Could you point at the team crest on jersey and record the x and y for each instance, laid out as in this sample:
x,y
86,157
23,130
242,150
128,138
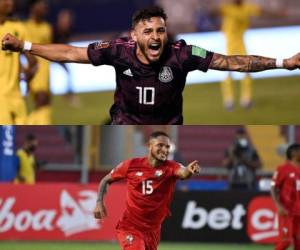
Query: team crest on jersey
x,y
129,239
102,45
166,74
158,173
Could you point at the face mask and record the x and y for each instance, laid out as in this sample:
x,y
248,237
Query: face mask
x,y
243,142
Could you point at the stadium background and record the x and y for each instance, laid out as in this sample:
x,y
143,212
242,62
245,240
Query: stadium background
x,y
57,210
93,86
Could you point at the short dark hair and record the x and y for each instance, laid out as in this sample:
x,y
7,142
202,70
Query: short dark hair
x,y
291,149
30,137
147,13
156,134
33,2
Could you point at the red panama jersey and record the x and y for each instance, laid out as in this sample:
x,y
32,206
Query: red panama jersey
x,y
287,180
149,191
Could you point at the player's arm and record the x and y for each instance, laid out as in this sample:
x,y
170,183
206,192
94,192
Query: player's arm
x,y
100,210
252,63
187,172
52,52
275,196
31,68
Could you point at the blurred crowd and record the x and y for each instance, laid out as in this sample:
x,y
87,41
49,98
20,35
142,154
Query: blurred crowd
x,y
184,15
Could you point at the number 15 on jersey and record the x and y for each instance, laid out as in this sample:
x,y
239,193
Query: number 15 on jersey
x,y
147,187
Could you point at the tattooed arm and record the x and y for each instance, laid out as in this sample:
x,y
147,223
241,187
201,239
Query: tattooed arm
x,y
100,210
251,63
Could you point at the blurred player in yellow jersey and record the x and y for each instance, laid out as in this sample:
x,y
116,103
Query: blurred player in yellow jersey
x,y
27,163
40,31
12,104
235,22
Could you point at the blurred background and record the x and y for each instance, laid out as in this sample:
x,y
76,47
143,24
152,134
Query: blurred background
x,y
274,32
228,202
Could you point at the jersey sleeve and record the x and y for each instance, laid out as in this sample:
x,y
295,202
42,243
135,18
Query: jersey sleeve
x,y
278,178
175,168
101,53
120,171
195,58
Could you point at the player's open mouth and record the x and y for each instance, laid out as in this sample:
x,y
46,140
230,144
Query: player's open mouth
x,y
154,49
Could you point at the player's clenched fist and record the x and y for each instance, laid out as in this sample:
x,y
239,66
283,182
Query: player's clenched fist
x,y
10,42
100,211
293,62
194,167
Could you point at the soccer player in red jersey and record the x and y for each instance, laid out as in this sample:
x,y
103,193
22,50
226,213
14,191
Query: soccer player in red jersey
x,y
150,185
285,192
150,71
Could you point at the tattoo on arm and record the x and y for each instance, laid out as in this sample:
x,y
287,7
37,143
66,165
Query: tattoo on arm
x,y
102,189
242,63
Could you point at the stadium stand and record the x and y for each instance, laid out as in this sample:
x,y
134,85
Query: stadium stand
x,y
52,146
205,143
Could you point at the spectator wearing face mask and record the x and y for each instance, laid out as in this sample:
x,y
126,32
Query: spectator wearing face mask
x,y
242,161
27,162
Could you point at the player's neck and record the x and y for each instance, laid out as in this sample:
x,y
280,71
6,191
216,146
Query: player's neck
x,y
295,163
153,162
36,19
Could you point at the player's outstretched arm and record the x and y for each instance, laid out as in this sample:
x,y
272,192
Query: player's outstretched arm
x,y
252,63
51,52
187,172
100,210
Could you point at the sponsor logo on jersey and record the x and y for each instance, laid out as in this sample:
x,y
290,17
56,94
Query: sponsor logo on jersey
x,y
139,174
166,74
128,72
292,175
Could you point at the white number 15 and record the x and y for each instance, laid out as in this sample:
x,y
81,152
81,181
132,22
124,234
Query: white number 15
x,y
147,187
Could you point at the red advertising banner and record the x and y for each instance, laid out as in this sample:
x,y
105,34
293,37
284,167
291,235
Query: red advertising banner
x,y
57,212
262,226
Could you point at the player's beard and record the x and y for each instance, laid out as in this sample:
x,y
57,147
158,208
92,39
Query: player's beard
x,y
155,155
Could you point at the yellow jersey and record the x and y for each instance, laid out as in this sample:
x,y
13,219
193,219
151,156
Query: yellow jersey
x,y
27,166
10,61
236,18
40,33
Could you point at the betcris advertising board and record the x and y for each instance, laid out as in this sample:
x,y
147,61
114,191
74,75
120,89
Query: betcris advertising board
x,y
231,216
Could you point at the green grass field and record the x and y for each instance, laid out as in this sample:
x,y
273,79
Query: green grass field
x,y
107,246
277,101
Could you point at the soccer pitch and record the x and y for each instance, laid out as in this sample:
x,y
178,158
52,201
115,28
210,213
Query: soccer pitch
x,y
276,101
107,246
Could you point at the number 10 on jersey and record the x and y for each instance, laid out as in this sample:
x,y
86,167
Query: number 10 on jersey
x,y
146,95
147,187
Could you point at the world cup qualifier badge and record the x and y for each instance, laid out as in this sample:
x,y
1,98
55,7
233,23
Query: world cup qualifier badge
x,y
166,74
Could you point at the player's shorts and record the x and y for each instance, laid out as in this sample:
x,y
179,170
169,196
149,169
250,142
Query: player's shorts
x,y
12,111
132,239
289,227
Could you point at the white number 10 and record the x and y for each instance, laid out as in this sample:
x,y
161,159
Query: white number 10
x,y
147,187
146,95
